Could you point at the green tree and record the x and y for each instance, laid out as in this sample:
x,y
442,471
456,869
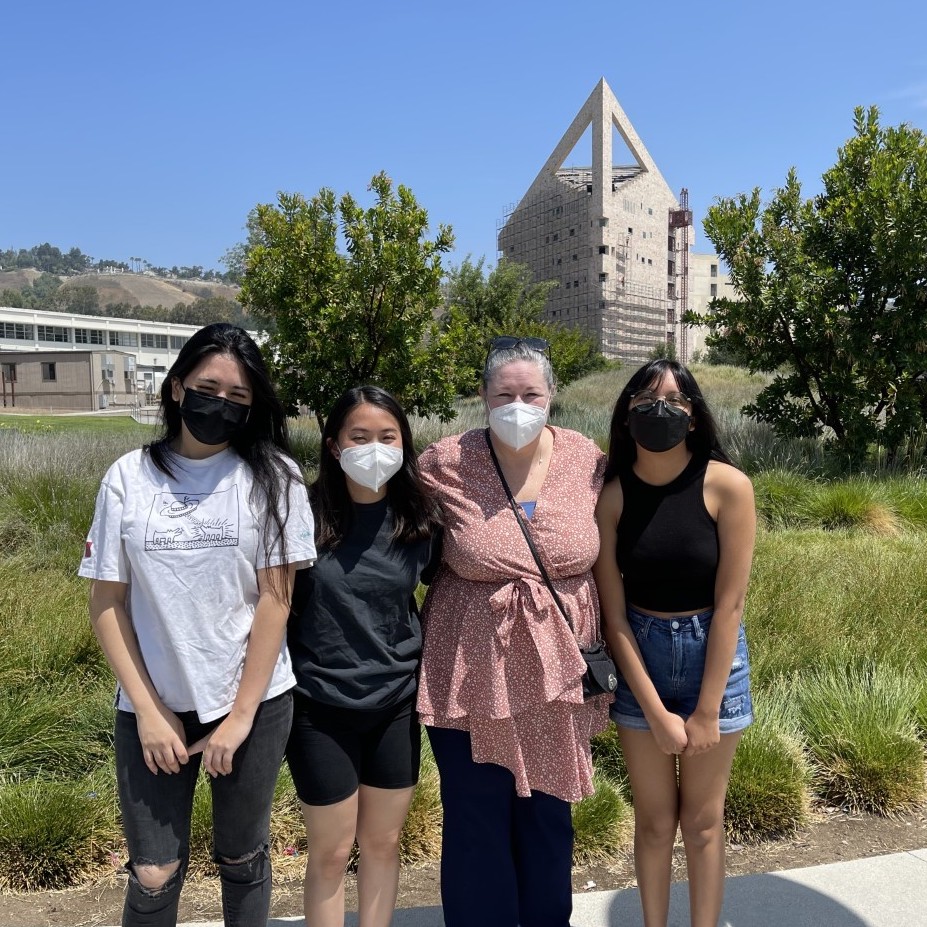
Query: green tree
x,y
339,320
84,300
45,291
506,302
834,293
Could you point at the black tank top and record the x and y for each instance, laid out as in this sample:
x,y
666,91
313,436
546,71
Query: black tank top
x,y
667,548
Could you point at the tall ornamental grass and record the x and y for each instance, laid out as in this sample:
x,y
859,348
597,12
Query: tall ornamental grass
x,y
820,597
769,795
861,731
837,582
52,833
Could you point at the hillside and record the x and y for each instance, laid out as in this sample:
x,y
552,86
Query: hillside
x,y
132,288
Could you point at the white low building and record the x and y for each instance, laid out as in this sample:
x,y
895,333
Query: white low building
x,y
58,360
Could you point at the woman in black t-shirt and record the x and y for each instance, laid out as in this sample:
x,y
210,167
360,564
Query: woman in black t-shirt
x,y
355,639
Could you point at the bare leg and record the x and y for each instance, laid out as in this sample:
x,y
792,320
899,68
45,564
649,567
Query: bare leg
x,y
656,815
702,787
381,814
330,830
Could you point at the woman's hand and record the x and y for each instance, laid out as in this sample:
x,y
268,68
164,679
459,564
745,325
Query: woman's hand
x,y
220,744
162,737
703,733
669,731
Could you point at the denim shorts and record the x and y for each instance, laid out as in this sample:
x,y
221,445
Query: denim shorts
x,y
674,652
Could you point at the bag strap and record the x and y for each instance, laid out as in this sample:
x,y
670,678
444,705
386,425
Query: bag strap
x,y
524,530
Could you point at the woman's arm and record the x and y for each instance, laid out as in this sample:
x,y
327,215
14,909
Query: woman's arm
x,y
729,498
159,729
668,729
267,631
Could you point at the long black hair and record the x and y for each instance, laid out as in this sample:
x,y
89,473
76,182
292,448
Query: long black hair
x,y
263,442
702,440
416,515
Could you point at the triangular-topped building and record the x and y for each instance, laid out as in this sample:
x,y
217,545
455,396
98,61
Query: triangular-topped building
x,y
614,237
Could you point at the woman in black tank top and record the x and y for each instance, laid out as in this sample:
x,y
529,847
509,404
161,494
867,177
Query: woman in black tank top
x,y
677,523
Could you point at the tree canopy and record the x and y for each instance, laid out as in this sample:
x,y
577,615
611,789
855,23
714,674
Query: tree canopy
x,y
337,320
506,302
833,293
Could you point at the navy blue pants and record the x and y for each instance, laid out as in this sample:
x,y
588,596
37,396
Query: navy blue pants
x,y
505,861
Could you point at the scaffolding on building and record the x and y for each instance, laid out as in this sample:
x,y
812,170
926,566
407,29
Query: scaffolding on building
x,y
679,222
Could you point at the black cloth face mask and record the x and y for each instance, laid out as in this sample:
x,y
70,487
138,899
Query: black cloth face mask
x,y
658,427
212,419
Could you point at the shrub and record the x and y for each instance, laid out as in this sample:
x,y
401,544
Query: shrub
x,y
861,732
51,833
783,498
421,836
769,792
602,823
853,503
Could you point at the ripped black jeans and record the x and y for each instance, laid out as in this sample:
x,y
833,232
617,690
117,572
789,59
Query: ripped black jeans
x,y
156,812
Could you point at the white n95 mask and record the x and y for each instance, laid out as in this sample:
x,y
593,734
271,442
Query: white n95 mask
x,y
371,465
517,423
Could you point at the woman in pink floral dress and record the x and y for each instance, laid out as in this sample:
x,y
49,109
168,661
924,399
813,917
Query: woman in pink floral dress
x,y
500,689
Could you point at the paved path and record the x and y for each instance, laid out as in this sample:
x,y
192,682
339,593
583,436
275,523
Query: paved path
x,y
882,891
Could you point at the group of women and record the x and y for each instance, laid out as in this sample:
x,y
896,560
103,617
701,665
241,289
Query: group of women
x,y
246,620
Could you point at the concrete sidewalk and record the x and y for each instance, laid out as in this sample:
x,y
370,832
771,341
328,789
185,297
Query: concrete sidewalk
x,y
881,891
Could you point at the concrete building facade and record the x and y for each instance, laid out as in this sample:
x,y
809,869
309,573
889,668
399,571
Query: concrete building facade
x,y
614,237
126,358
75,381
707,280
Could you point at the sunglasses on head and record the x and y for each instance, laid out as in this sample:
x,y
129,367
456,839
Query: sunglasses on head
x,y
503,342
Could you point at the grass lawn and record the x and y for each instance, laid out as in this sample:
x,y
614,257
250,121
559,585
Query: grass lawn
x,y
101,424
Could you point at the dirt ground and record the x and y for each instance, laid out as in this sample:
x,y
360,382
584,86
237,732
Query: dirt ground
x,y
832,836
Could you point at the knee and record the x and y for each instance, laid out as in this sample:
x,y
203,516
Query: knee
x,y
330,862
701,829
382,845
250,869
154,879
656,829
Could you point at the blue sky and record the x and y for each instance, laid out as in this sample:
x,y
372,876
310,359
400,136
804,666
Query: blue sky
x,y
151,129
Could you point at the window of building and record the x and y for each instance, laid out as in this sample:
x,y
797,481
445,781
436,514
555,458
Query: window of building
x,y
123,339
158,342
547,240
714,290
630,230
574,257
89,336
177,342
714,270
53,333
670,268
575,284
650,262
603,221
48,373
559,260
9,372
603,249
556,235
18,331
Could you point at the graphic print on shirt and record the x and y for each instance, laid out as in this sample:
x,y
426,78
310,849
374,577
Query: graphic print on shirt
x,y
192,520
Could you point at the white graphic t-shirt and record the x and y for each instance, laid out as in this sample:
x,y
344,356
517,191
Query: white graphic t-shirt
x,y
189,550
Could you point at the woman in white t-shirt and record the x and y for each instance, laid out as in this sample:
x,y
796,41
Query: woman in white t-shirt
x,y
194,545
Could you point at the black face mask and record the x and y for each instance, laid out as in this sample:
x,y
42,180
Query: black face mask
x,y
658,427
212,419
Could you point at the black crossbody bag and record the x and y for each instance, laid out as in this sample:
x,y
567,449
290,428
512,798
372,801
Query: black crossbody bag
x,y
601,676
